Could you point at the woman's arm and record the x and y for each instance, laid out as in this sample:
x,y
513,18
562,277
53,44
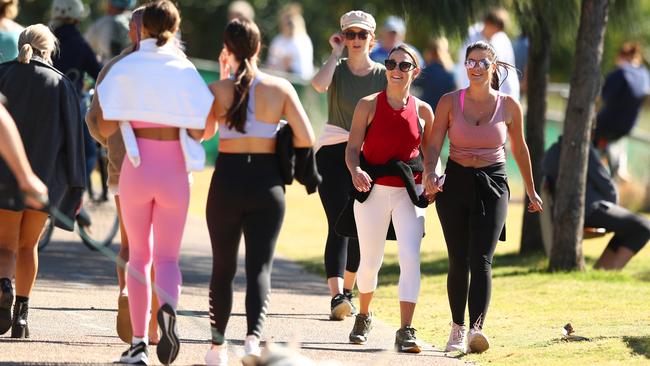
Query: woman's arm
x,y
434,137
323,78
293,111
521,154
364,108
106,127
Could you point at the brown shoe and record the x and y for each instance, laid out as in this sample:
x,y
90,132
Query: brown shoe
x,y
123,325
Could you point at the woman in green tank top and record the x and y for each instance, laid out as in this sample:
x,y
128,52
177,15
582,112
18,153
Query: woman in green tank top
x,y
9,30
346,81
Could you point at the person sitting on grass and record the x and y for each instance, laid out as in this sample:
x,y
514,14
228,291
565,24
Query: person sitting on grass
x,y
631,231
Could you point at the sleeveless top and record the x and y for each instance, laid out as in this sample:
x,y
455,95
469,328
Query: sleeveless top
x,y
141,124
393,134
253,127
8,45
484,142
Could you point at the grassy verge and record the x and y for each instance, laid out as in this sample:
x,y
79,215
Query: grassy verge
x,y
529,306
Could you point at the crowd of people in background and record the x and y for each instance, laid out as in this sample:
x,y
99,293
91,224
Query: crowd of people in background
x,y
376,165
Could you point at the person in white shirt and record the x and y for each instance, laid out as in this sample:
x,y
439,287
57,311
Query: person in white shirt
x,y
492,30
291,50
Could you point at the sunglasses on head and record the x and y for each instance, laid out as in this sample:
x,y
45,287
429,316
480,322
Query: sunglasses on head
x,y
350,35
483,63
404,66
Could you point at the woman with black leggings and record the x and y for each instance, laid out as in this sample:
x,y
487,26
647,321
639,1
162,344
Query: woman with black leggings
x,y
473,206
346,81
247,189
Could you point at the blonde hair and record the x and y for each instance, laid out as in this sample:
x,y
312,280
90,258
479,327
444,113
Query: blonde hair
x,y
440,47
36,40
8,9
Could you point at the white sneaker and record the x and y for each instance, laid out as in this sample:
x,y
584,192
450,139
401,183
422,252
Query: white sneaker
x,y
457,339
478,342
252,346
217,356
137,354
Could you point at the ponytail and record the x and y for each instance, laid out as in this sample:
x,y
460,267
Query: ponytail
x,y
237,112
163,38
25,54
496,76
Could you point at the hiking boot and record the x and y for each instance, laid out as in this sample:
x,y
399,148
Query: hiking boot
x,y
169,344
457,339
137,354
361,329
19,327
477,341
123,321
6,300
217,356
350,296
252,346
405,340
341,307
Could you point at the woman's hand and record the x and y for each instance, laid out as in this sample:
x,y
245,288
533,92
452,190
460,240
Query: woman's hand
x,y
535,204
35,191
432,183
361,180
336,41
224,67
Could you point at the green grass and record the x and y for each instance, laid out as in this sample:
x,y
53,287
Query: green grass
x,y
529,305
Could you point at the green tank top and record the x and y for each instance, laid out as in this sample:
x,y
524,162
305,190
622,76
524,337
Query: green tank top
x,y
8,45
347,89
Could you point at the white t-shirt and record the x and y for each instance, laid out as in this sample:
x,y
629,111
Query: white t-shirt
x,y
505,53
299,50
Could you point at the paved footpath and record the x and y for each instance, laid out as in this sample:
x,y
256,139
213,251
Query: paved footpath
x,y
73,309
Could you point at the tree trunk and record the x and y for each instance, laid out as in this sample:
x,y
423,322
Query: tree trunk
x,y
538,64
566,253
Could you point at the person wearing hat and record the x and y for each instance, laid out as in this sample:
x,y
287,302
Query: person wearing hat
x,y
392,34
9,30
346,81
109,35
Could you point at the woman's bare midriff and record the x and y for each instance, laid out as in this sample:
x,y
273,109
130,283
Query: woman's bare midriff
x,y
474,162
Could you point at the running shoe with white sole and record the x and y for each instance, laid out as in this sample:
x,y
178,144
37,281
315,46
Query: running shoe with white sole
x,y
340,307
405,340
457,339
169,344
252,346
137,354
477,341
361,329
217,356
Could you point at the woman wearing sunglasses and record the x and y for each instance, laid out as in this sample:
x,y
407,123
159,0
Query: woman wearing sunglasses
x,y
388,125
472,209
346,80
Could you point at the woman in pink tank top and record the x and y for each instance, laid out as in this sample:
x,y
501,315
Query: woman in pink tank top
x,y
387,125
473,206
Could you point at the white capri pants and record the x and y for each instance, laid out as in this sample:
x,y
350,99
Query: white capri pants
x,y
373,218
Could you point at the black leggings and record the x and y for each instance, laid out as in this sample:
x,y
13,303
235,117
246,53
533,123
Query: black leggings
x,y
471,231
246,195
341,253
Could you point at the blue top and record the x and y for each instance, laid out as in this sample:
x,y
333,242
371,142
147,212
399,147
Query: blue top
x,y
75,57
253,127
434,82
8,45
623,94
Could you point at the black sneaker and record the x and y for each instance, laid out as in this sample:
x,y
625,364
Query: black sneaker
x,y
405,340
340,307
350,296
169,344
361,329
137,354
6,300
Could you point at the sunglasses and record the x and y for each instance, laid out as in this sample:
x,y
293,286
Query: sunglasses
x,y
483,63
404,66
350,35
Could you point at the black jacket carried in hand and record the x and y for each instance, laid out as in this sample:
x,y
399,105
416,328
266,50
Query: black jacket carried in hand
x,y
296,162
45,107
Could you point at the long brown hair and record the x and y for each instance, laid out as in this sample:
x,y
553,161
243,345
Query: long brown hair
x,y
242,38
492,54
161,19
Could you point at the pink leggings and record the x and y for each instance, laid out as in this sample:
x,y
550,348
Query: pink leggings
x,y
155,195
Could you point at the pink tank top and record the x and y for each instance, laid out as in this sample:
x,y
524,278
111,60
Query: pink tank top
x,y
484,143
140,124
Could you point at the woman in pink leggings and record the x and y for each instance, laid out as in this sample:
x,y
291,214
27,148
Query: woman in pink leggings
x,y
166,103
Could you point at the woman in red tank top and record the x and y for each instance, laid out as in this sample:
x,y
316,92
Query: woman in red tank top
x,y
385,140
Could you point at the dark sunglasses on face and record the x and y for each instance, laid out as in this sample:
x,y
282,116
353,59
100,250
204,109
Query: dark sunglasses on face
x,y
483,63
404,66
349,35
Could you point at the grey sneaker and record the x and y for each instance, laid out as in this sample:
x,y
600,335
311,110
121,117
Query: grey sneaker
x,y
361,329
340,307
405,340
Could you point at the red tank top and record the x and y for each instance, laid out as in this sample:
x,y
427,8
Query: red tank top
x,y
393,134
